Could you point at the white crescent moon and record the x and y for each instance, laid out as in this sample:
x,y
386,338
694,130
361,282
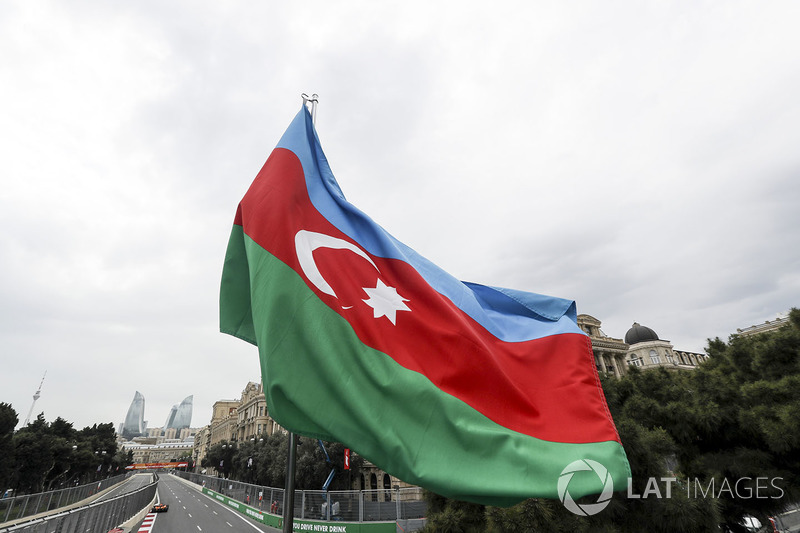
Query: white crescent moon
x,y
305,242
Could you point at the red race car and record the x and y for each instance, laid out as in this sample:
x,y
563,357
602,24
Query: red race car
x,y
160,508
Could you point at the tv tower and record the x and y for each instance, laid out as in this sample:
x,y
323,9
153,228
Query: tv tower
x,y
35,397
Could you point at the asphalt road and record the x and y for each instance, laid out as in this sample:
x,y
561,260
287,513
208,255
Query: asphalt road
x,y
131,484
191,511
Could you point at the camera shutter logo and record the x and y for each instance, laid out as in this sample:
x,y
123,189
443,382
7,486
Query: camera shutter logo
x,y
585,465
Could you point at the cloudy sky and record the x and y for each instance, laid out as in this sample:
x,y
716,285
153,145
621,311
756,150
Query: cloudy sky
x,y
640,158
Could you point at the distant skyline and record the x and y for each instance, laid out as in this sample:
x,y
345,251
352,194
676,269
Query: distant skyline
x,y
639,158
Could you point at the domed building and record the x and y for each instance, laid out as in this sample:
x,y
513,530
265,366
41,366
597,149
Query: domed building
x,y
646,350
641,347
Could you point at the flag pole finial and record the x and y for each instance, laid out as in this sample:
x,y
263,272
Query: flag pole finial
x,y
314,99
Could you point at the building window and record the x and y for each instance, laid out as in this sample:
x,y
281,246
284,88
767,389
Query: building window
x,y
654,358
387,488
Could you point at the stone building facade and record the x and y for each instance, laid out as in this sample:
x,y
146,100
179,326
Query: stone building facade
x,y
236,421
380,486
162,452
641,348
253,415
610,354
770,325
647,350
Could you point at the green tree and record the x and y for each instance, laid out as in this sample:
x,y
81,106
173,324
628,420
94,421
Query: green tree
x,y
34,449
8,421
753,384
262,461
220,457
51,455
313,467
452,516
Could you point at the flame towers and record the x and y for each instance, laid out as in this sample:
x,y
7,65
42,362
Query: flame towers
x,y
180,416
134,420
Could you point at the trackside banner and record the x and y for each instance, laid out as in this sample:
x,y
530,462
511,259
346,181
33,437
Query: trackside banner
x,y
153,466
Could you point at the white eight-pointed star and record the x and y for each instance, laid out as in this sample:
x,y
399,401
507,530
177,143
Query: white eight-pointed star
x,y
385,301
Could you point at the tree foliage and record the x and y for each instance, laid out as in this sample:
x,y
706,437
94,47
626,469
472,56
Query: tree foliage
x,y
263,462
8,421
48,455
728,432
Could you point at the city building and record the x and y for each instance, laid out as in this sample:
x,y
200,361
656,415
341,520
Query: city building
x,y
641,348
202,442
134,425
647,350
177,425
253,415
769,325
236,421
180,416
223,426
610,354
378,484
162,452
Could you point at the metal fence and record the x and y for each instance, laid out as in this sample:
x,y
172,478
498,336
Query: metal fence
x,y
17,507
97,517
348,506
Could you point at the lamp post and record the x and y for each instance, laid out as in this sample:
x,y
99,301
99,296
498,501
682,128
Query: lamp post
x,y
222,462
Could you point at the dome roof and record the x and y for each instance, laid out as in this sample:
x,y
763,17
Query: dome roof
x,y
639,333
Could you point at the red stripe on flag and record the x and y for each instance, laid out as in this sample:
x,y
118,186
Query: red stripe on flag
x,y
547,388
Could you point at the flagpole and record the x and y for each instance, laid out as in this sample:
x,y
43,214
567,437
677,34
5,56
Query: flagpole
x,y
291,459
288,498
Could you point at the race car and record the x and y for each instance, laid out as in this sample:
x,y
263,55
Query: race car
x,y
160,508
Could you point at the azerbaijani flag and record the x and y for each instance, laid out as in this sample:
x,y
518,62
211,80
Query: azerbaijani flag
x,y
473,392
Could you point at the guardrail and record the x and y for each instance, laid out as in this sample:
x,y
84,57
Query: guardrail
x,y
349,506
97,517
17,507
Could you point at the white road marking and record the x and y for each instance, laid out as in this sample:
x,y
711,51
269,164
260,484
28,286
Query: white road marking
x,y
235,513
